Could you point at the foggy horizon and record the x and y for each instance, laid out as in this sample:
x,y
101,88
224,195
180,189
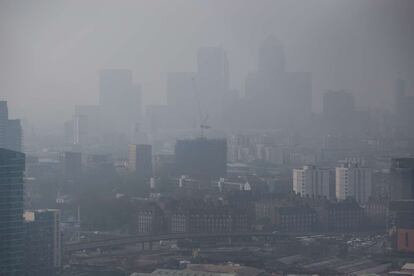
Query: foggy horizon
x,y
52,51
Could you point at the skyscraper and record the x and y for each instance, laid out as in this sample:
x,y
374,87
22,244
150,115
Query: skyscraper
x,y
10,130
402,178
42,242
313,181
182,99
212,90
4,116
120,100
12,166
353,180
140,160
275,98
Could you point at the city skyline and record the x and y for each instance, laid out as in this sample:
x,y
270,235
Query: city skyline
x,y
79,56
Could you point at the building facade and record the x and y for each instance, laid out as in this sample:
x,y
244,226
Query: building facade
x,y
353,180
140,160
313,181
42,242
11,134
12,166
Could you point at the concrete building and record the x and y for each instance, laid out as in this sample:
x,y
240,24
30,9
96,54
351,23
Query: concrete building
x,y
296,219
12,166
313,181
402,179
353,180
201,158
42,242
140,160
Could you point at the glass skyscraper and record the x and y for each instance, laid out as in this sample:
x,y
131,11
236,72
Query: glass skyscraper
x,y
12,166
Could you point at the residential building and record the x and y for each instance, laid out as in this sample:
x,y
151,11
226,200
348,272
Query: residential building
x,y
353,180
313,181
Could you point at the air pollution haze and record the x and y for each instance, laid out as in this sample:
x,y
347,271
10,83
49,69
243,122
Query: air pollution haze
x,y
52,51
205,137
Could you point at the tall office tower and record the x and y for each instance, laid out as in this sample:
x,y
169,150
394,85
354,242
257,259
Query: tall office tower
x,y
4,117
271,59
71,166
120,100
86,124
182,100
212,89
353,180
201,157
140,160
80,129
12,166
339,112
42,242
313,181
10,130
14,135
402,179
404,112
275,98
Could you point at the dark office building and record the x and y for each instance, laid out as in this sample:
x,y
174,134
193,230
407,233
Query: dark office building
x,y
42,242
71,168
10,130
140,160
12,166
201,157
402,178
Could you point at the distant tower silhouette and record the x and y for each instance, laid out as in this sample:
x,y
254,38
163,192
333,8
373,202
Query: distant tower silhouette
x,y
271,56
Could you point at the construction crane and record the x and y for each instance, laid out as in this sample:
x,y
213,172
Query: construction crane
x,y
204,126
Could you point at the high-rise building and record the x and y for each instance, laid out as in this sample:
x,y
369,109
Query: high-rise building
x,y
275,98
120,100
313,181
42,242
4,117
353,181
339,112
10,130
404,109
14,135
71,168
12,166
402,178
212,89
182,99
140,160
201,157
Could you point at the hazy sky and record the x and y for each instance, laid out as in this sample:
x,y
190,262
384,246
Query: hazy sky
x,y
51,50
